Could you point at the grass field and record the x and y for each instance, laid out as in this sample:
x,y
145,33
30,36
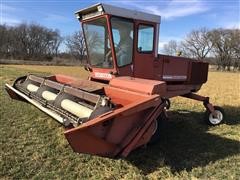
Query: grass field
x,y
32,145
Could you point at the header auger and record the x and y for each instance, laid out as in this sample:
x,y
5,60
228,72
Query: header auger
x,y
128,90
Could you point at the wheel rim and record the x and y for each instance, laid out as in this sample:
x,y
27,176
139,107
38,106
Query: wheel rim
x,y
217,119
155,128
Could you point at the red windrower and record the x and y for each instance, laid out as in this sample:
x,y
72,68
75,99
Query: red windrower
x,y
127,93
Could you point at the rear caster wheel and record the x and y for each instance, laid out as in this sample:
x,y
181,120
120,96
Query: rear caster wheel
x,y
215,120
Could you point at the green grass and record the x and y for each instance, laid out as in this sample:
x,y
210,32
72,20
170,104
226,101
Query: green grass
x,y
32,145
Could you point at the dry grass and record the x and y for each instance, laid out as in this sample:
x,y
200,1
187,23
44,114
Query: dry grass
x,y
33,146
76,71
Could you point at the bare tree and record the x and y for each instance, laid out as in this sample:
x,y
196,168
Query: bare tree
x,y
235,35
225,46
29,42
76,45
197,44
3,40
43,42
170,48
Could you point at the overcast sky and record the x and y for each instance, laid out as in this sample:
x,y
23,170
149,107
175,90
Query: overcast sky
x,y
179,17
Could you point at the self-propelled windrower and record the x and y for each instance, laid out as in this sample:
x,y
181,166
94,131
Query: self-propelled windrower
x,y
120,105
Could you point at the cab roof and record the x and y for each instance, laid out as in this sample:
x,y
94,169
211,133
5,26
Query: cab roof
x,y
102,8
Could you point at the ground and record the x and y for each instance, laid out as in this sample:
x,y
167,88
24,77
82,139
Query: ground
x,y
32,145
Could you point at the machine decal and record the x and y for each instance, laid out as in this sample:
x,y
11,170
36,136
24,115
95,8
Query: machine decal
x,y
174,77
103,75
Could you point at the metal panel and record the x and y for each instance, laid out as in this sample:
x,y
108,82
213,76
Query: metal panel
x,y
81,94
199,72
117,11
143,86
175,68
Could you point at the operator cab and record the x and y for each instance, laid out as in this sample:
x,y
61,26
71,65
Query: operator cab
x,y
116,38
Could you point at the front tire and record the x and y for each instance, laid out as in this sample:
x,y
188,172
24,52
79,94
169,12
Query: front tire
x,y
214,121
160,125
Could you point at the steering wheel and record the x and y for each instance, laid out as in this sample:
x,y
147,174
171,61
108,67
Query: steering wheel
x,y
109,53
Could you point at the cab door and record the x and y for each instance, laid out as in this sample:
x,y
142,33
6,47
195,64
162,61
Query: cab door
x,y
144,50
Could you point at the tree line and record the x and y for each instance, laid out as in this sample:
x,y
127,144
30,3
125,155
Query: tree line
x,y
36,42
219,46
29,41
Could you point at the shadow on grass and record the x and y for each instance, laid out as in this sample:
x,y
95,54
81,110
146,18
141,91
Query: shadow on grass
x,y
186,144
232,114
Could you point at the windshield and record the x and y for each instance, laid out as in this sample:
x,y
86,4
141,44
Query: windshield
x,y
98,44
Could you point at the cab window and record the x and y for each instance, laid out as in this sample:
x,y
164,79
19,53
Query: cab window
x,y
145,38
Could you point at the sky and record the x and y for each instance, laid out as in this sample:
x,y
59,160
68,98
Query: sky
x,y
179,17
